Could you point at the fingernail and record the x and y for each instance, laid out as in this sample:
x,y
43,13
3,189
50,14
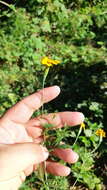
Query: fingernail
x,y
57,88
68,171
82,116
45,153
75,157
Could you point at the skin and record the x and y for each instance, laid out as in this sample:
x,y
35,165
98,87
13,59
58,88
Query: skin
x,y
20,139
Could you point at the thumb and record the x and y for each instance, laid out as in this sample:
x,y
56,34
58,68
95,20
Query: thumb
x,y
17,157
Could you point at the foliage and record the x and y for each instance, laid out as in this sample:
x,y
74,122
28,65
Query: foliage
x,y
75,33
53,183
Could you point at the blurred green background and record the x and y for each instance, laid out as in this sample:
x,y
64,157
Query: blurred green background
x,y
73,31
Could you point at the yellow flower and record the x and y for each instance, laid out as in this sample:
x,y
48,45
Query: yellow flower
x,y
82,126
49,62
101,133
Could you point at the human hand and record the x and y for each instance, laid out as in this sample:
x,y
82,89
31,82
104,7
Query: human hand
x,y
20,138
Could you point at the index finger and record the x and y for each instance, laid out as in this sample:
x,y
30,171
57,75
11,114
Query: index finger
x,y
23,110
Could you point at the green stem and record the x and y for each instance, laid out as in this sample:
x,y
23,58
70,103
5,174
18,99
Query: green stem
x,y
10,6
43,84
100,140
79,132
78,174
77,177
42,167
74,184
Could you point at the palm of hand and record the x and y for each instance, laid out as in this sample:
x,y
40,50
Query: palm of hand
x,y
12,132
16,126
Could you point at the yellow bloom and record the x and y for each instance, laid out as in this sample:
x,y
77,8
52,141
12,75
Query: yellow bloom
x,y
101,133
49,62
82,126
